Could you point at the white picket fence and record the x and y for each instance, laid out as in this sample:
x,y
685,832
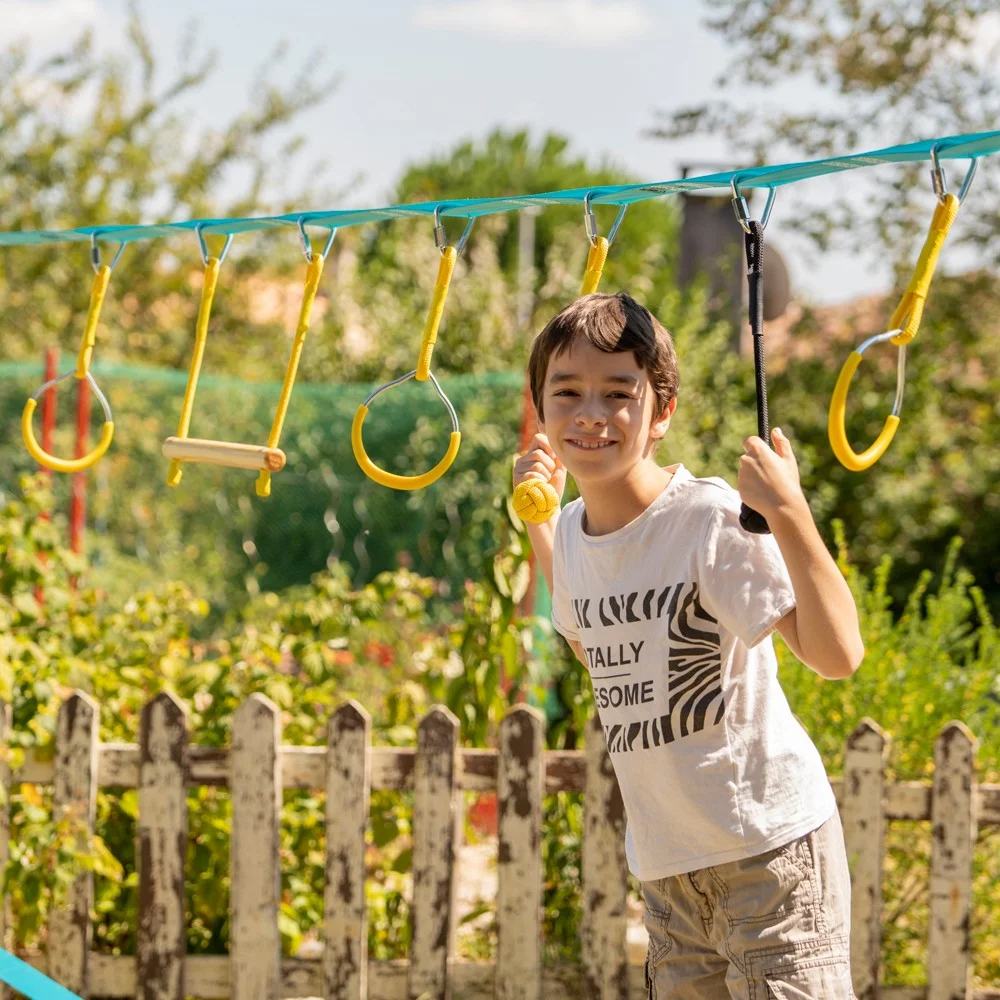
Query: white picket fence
x,y
257,767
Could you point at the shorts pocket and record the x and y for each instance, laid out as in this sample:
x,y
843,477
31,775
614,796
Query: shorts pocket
x,y
657,920
816,979
767,888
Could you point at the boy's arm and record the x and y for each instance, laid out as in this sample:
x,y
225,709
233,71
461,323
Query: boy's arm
x,y
543,538
822,630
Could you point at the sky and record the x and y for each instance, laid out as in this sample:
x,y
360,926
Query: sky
x,y
418,76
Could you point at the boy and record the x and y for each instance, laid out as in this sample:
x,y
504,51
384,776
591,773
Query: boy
x,y
733,829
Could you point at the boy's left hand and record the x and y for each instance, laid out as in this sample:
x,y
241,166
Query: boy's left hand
x,y
768,481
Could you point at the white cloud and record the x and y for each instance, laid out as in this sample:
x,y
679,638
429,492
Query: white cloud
x,y
574,23
47,22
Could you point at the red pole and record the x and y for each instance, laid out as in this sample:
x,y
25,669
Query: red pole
x,y
78,503
48,425
49,401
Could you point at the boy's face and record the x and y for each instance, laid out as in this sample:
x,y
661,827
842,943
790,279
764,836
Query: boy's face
x,y
599,412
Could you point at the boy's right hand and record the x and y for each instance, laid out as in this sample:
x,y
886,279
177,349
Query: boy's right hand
x,y
541,462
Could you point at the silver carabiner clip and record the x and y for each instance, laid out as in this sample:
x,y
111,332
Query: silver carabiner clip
x,y
441,237
95,253
740,205
941,184
205,255
590,221
307,243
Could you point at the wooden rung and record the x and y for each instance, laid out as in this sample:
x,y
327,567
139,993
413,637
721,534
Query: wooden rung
x,y
228,453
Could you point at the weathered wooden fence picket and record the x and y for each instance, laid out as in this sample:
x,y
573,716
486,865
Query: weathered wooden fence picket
x,y
258,767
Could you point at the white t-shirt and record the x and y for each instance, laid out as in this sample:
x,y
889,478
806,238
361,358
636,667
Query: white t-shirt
x,y
674,612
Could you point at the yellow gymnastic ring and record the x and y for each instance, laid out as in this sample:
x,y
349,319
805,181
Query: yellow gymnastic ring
x,y
390,479
535,500
836,425
43,458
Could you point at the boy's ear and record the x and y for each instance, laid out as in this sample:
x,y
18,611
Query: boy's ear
x,y
662,422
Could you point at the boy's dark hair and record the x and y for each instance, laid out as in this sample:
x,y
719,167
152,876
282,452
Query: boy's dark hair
x,y
612,323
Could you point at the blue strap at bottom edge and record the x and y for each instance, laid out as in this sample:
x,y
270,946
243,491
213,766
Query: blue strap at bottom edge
x,y
29,981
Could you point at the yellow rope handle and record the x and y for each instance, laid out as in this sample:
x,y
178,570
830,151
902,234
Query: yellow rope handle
x,y
313,274
911,306
596,257
837,423
535,500
906,318
42,457
390,479
89,338
445,270
209,283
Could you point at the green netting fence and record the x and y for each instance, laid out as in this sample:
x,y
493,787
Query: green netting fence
x,y
213,530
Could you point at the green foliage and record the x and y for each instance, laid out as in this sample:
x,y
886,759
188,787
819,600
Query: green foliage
x,y
936,662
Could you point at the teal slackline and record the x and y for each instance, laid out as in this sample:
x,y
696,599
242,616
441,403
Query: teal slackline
x,y
30,982
966,146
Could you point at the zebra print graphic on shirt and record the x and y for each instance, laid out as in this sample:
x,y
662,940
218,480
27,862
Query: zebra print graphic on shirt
x,y
624,609
694,676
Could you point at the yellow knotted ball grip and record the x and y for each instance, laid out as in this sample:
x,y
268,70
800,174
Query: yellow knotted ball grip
x,y
390,479
535,501
837,423
43,458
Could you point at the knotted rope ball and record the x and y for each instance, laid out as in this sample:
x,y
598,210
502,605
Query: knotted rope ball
x,y
535,501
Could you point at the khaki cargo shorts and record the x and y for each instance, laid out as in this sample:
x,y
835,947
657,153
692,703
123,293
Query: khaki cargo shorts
x,y
771,927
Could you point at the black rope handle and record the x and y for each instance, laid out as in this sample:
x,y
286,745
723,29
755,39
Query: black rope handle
x,y
750,519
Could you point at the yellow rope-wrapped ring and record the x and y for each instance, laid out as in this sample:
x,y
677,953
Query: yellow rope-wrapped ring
x,y
535,501
67,465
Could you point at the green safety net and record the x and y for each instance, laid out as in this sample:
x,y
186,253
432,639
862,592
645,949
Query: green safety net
x,y
965,146
322,505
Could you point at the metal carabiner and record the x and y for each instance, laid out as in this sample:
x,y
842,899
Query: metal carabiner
x,y
441,237
941,184
307,243
740,205
837,421
95,253
205,255
590,221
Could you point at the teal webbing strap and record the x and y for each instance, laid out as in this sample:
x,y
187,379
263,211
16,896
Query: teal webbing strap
x,y
965,146
30,982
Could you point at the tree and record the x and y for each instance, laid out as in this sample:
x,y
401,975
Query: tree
x,y
885,72
90,140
